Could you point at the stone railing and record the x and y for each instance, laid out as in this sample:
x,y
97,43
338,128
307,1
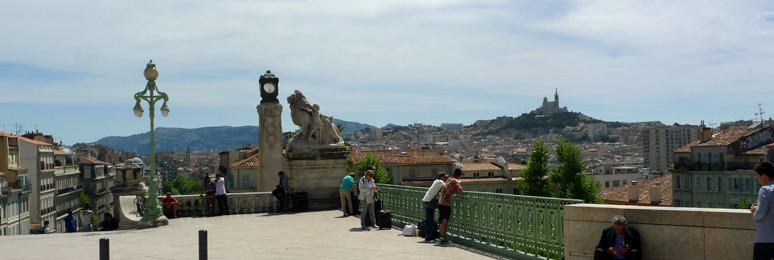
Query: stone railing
x,y
239,203
515,226
666,232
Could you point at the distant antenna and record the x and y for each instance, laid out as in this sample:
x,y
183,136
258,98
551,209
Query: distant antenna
x,y
712,125
760,112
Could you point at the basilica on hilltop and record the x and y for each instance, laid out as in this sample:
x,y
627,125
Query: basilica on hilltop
x,y
550,107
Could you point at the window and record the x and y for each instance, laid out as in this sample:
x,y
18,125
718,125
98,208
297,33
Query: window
x,y
87,172
434,173
475,174
720,183
499,190
491,174
412,173
607,184
709,183
677,183
616,183
698,183
245,182
734,183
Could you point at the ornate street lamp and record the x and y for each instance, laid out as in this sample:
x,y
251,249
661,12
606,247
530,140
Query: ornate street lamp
x,y
152,207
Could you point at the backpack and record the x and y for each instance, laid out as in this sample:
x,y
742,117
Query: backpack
x,y
421,229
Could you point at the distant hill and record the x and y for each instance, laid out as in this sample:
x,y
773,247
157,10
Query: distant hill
x,y
177,139
199,139
390,125
533,123
351,127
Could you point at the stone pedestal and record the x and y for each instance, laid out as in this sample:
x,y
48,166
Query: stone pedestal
x,y
270,143
319,176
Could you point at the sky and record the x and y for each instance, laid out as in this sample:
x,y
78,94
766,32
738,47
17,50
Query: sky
x,y
71,68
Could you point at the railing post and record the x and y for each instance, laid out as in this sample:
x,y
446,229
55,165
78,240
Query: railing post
x,y
203,244
104,249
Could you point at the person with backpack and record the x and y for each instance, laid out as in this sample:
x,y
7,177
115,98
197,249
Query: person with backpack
x,y
430,203
367,188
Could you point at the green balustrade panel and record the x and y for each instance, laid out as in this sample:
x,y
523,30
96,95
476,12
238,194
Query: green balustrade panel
x,y
524,227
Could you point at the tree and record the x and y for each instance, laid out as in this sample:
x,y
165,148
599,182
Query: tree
x,y
381,175
743,204
534,183
569,178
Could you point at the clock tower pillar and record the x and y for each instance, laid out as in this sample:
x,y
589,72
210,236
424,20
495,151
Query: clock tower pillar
x,y
269,134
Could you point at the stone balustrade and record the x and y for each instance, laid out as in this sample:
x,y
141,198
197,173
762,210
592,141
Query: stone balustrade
x,y
666,232
239,203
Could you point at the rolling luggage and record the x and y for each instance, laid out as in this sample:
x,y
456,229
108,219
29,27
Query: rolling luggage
x,y
384,219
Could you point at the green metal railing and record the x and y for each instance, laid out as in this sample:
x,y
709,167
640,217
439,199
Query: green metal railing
x,y
523,227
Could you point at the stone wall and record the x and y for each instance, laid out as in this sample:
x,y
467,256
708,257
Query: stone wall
x,y
239,203
666,232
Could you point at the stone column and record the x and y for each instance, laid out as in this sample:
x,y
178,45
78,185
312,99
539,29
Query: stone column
x,y
270,142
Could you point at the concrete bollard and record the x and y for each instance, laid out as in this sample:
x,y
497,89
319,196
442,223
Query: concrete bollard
x,y
203,244
104,249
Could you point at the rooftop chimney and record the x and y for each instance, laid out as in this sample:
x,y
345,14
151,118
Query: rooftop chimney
x,y
634,194
655,194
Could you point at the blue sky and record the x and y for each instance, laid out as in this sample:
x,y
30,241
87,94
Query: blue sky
x,y
72,68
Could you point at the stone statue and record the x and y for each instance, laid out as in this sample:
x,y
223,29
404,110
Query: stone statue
x,y
317,129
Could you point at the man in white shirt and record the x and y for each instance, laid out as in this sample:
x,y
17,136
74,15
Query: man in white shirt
x,y
220,193
86,217
431,203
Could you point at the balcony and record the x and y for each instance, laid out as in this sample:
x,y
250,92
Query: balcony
x,y
68,189
65,169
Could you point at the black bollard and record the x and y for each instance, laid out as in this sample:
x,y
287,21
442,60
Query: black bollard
x,y
104,249
203,244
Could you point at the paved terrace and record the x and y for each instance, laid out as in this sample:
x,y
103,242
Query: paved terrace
x,y
309,235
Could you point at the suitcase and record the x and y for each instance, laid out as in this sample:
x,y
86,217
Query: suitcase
x,y
384,219
300,201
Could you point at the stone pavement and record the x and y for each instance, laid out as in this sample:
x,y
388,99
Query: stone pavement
x,y
308,235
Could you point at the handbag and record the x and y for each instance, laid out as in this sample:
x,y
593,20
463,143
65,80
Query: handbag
x,y
410,230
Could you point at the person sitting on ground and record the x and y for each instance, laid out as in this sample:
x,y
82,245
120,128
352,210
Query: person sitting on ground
x,y
109,223
169,204
619,242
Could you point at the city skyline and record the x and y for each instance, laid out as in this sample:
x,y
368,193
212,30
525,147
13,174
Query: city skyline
x,y
72,68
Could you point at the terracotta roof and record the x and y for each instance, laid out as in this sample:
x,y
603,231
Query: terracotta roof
x,y
516,166
463,180
472,167
32,141
389,156
250,161
727,137
621,193
758,151
687,148
87,160
57,152
7,134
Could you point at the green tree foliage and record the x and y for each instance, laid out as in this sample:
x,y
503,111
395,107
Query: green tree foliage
x,y
182,185
744,203
569,178
381,175
534,174
84,199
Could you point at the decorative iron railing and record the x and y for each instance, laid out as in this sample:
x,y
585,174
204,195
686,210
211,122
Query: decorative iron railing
x,y
511,225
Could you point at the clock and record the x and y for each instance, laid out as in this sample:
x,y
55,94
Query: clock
x,y
269,87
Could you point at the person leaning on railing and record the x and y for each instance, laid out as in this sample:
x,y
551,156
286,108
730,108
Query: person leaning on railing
x,y
762,212
430,203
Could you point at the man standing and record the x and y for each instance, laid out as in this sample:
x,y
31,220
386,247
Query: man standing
x,y
619,242
345,191
220,194
444,205
762,212
431,203
70,222
86,216
282,190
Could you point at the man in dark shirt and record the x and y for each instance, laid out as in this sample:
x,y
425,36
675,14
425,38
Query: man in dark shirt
x,y
619,242
109,223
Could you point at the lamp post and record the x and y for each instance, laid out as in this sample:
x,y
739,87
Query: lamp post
x,y
152,207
